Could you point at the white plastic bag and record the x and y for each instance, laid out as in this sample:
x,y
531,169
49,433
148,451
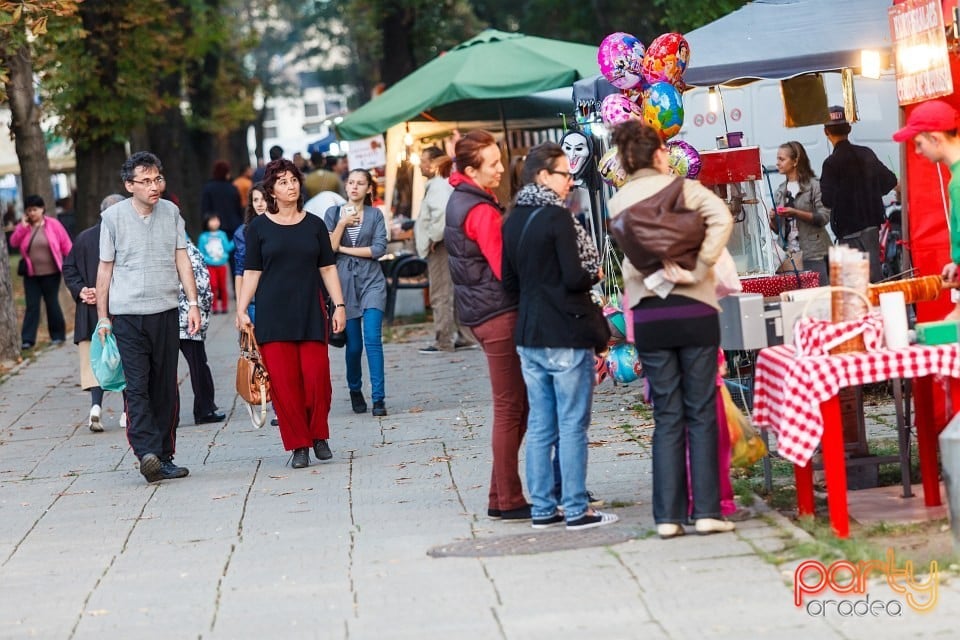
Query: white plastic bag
x,y
725,276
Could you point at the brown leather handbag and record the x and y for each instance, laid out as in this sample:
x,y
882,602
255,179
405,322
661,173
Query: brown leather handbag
x,y
253,381
660,228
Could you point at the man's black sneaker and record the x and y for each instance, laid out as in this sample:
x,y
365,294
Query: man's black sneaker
x,y
379,408
546,523
170,471
357,401
431,349
520,513
591,520
151,468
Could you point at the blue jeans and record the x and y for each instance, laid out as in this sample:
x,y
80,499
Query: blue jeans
x,y
560,392
365,332
683,383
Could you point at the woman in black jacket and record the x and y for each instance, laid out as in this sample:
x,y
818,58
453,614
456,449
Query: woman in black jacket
x,y
552,267
80,276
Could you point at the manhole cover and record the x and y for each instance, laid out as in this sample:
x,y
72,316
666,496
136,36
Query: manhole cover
x,y
538,542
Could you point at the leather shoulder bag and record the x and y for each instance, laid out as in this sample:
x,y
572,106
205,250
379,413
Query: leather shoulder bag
x,y
253,381
660,228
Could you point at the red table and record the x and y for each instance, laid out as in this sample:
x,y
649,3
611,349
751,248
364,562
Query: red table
x,y
797,399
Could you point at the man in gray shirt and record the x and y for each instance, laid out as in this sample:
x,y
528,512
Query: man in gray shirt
x,y
143,260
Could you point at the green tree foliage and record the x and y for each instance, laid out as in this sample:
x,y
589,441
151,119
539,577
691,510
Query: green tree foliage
x,y
589,22
276,35
690,14
102,76
391,38
21,23
388,39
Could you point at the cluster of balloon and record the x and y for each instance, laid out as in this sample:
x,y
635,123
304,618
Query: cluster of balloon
x,y
650,80
621,362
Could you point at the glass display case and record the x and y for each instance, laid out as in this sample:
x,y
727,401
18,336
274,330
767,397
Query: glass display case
x,y
733,174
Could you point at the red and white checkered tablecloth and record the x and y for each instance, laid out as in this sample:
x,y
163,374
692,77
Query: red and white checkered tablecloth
x,y
787,391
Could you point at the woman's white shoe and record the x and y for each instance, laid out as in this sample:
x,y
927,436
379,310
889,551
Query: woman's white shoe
x,y
93,421
706,526
669,530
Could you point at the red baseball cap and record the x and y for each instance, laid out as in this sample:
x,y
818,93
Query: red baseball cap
x,y
934,115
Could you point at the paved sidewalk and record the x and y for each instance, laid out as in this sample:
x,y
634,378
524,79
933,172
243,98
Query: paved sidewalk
x,y
247,547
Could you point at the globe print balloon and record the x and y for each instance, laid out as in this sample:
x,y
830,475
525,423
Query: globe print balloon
x,y
666,59
663,109
683,159
610,170
617,108
623,363
620,58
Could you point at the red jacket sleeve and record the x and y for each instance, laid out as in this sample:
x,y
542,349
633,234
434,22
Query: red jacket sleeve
x,y
483,227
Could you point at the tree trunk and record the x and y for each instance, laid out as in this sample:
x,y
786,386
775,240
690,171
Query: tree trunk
x,y
398,60
9,331
25,125
98,175
169,138
34,175
238,152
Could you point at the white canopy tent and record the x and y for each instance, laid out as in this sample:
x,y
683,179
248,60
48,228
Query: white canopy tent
x,y
777,39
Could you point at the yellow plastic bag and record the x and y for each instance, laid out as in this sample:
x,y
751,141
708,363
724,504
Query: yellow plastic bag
x,y
746,445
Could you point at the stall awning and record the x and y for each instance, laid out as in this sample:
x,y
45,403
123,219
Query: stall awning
x,y
777,39
491,76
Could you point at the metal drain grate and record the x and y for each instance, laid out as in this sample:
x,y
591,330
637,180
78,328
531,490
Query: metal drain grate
x,y
538,542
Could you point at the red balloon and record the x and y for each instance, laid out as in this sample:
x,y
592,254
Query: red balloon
x,y
666,59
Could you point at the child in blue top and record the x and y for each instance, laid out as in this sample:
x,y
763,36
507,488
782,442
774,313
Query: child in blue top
x,y
215,247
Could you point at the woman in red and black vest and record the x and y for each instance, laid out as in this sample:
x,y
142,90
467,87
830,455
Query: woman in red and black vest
x,y
473,240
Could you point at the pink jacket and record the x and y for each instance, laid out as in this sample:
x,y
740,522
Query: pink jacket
x,y
57,237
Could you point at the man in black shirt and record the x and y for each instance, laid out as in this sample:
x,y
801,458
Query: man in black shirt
x,y
853,182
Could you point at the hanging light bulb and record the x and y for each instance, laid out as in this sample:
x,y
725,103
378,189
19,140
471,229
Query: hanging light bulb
x,y
407,139
870,64
713,101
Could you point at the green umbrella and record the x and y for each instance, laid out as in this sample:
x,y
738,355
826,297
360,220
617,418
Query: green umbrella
x,y
492,73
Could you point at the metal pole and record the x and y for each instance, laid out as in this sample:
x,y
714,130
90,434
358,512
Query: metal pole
x,y
506,132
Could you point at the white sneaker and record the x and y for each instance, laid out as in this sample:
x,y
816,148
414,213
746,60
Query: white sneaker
x,y
93,421
123,420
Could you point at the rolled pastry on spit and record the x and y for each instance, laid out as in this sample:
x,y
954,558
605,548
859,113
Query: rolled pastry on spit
x,y
922,289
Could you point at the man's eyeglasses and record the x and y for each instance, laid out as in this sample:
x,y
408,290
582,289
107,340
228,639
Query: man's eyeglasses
x,y
565,174
146,182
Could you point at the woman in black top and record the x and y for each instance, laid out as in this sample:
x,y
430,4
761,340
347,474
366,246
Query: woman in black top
x,y
288,253
558,327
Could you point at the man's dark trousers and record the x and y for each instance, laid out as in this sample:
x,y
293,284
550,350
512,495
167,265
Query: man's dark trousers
x,y
149,348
